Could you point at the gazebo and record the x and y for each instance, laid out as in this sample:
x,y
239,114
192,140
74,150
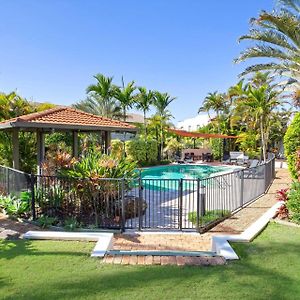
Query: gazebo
x,y
61,119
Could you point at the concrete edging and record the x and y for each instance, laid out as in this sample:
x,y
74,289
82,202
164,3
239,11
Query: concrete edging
x,y
104,240
220,243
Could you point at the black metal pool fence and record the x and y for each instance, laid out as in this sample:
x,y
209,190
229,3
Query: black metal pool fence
x,y
136,203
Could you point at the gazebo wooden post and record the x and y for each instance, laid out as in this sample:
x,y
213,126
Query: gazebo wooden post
x,y
75,144
107,141
15,148
40,150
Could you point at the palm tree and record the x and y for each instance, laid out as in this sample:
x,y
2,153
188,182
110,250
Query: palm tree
x,y
143,101
161,103
216,102
102,95
94,104
259,103
277,37
125,96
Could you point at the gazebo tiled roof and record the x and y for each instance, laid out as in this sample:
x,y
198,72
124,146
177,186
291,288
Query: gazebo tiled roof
x,y
66,118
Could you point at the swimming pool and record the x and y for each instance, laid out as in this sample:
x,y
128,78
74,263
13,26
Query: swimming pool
x,y
181,172
168,177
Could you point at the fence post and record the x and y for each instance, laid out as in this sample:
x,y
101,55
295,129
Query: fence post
x,y
202,202
242,188
123,204
7,181
180,202
198,205
32,187
265,176
140,203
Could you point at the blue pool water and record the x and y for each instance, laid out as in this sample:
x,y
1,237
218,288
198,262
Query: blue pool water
x,y
181,172
167,177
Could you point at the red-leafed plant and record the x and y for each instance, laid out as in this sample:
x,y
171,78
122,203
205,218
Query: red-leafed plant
x,y
282,212
282,195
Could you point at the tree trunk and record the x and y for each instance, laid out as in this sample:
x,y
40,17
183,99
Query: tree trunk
x,y
263,142
124,114
145,125
162,143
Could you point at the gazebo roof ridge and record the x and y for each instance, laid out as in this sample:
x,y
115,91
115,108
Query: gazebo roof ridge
x,y
66,116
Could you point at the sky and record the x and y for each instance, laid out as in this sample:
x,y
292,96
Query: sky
x,y
51,49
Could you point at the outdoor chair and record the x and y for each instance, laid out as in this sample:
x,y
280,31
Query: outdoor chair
x,y
234,155
252,170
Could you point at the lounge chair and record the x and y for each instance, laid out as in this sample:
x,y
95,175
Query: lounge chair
x,y
234,155
252,170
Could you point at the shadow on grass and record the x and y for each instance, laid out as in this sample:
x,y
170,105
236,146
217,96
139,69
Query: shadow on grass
x,y
10,249
249,278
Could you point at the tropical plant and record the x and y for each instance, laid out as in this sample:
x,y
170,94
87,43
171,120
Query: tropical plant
x,y
94,104
161,104
14,205
141,151
117,148
258,104
293,203
46,222
215,102
277,37
292,144
71,224
143,101
101,99
125,96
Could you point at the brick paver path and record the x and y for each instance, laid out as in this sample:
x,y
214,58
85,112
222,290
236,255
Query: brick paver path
x,y
196,242
249,214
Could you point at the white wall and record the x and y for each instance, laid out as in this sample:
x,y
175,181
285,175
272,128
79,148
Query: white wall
x,y
192,124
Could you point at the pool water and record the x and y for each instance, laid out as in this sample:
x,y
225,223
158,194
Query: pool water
x,y
167,177
181,172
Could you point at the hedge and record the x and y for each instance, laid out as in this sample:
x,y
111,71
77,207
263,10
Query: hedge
x,y
141,151
292,144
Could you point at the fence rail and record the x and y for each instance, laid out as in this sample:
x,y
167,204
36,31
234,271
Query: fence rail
x,y
137,203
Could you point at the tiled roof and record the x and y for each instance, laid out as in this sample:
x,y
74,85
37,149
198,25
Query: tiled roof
x,y
67,116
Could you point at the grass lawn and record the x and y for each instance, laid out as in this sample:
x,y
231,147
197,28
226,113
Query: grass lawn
x,y
269,269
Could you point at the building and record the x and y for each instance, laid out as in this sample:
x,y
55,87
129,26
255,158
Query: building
x,y
193,124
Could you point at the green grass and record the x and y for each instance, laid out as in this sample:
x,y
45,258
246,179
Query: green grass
x,y
269,269
210,215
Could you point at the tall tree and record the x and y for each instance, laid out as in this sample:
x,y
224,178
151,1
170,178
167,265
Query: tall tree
x,y
260,103
94,104
143,101
125,96
161,103
277,37
101,95
216,102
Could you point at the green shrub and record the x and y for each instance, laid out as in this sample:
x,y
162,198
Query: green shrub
x,y
293,203
292,144
46,221
217,148
141,151
117,148
16,206
210,215
71,224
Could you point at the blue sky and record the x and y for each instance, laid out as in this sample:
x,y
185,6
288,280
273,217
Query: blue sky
x,y
51,49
